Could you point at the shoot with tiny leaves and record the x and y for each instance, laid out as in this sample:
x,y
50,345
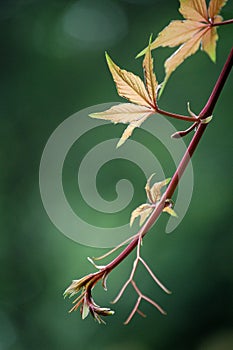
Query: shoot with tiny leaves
x,y
198,28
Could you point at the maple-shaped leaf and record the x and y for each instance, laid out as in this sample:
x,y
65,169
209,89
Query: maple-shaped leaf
x,y
170,211
142,96
129,85
196,30
149,75
153,195
125,113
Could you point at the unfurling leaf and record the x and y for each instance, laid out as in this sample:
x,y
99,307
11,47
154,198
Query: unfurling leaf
x,y
154,192
104,281
154,195
125,113
190,33
170,211
85,309
97,312
143,211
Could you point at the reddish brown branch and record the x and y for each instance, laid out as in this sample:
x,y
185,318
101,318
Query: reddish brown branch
x,y
88,282
206,111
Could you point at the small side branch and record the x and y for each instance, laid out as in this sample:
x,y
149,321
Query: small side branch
x,y
175,116
136,306
140,295
87,283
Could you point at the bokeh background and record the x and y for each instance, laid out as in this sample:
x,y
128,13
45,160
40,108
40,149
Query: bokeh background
x,y
52,65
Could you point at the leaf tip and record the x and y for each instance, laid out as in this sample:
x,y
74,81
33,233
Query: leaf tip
x,y
176,135
150,39
170,211
141,53
120,143
108,59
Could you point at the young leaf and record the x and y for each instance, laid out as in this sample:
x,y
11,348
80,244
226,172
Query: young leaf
x,y
150,78
184,51
143,211
197,29
131,87
85,309
125,113
154,196
154,192
170,211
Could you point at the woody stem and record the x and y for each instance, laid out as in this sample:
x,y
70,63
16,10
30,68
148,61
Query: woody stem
x,y
206,111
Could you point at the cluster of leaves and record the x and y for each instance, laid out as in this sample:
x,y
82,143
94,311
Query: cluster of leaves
x,y
84,286
153,195
85,300
198,29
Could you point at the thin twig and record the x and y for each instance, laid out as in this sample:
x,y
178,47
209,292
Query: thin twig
x,y
154,277
114,249
92,279
135,309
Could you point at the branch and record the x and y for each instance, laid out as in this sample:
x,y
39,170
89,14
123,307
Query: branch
x,y
88,282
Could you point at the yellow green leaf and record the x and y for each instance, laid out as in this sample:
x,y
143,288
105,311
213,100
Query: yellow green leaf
x,y
208,43
215,7
184,51
85,309
194,10
143,211
150,78
170,211
129,130
125,113
154,192
129,85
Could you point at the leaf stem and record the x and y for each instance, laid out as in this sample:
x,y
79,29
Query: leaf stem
x,y
229,21
176,116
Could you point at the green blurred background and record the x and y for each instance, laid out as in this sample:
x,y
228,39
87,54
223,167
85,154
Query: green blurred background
x,y
52,65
